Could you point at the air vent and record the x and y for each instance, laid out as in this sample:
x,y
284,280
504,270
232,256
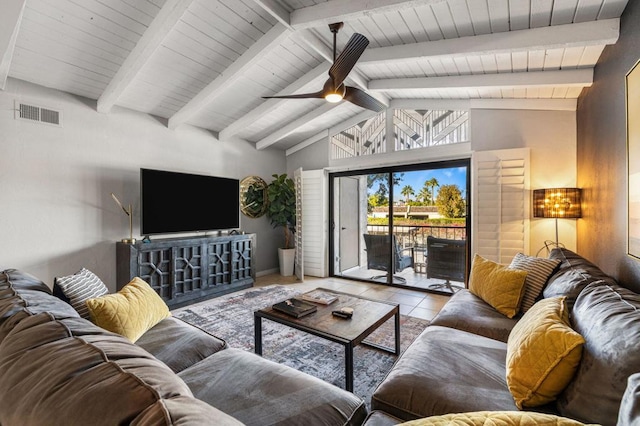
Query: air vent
x,y
38,114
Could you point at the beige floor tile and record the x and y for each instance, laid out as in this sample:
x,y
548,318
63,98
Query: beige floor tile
x,y
415,303
405,309
374,293
433,302
426,314
406,299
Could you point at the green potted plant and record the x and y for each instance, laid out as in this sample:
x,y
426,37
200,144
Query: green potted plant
x,y
282,212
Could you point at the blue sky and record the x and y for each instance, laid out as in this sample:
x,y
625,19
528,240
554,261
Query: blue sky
x,y
416,179
457,176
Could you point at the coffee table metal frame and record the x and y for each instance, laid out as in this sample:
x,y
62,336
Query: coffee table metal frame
x,y
322,326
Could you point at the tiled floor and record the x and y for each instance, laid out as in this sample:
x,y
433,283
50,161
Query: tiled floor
x,y
412,302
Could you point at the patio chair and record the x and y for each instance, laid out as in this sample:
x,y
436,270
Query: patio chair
x,y
446,259
378,252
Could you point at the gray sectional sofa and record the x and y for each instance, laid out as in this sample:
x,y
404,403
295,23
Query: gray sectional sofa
x,y
59,369
458,363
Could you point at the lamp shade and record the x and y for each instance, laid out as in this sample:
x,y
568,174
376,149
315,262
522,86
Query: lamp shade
x,y
557,202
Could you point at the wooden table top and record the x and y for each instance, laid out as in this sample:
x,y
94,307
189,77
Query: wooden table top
x,y
368,315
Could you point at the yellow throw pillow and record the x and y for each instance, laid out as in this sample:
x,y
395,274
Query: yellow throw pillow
x,y
543,353
131,311
497,285
503,418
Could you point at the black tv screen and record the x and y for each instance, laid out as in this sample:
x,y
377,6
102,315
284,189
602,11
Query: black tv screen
x,y
183,202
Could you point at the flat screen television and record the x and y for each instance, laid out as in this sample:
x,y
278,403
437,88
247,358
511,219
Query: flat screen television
x,y
173,202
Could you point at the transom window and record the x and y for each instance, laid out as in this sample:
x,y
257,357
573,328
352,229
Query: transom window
x,y
411,129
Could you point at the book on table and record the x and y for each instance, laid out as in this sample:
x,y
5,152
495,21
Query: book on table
x,y
295,307
319,296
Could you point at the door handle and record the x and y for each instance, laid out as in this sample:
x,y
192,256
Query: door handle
x,y
343,228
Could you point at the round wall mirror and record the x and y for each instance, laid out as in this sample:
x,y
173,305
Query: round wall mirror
x,y
253,196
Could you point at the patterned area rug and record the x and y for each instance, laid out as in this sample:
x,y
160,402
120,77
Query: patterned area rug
x,y
230,317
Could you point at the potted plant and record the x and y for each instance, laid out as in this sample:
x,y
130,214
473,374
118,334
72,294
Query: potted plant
x,y
282,212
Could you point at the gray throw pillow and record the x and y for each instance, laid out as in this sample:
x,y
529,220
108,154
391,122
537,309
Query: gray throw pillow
x,y
80,287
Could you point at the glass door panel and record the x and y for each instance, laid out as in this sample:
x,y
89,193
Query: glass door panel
x,y
404,226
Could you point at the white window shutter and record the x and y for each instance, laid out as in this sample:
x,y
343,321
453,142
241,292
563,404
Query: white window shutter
x,y
299,237
314,222
500,200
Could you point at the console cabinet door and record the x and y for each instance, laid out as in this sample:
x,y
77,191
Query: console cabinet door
x,y
185,270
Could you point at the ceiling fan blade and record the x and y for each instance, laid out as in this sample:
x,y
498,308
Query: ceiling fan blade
x,y
348,58
316,95
362,99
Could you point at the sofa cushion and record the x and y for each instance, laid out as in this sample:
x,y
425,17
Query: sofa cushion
x,y
503,418
23,295
466,311
380,418
56,370
257,391
573,274
630,406
543,353
538,271
445,371
80,287
497,285
178,344
131,311
181,410
607,316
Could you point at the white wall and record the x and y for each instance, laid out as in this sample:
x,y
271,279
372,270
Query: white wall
x,y
56,212
550,135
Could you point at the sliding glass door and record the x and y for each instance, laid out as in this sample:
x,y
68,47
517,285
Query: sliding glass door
x,y
384,221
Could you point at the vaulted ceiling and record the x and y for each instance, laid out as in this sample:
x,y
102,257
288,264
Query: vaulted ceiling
x,y
208,63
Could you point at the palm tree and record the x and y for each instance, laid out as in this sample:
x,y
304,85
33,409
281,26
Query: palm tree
x,y
432,183
424,195
407,191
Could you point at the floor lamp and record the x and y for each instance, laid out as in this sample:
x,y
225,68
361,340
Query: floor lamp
x,y
563,203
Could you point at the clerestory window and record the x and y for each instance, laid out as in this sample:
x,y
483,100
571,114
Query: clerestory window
x,y
411,129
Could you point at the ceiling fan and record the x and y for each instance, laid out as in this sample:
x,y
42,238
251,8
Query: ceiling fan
x,y
334,89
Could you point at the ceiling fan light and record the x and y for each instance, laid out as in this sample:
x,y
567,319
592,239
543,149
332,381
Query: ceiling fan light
x,y
333,97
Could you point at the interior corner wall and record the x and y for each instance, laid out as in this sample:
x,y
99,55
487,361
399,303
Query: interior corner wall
x,y
602,156
551,138
313,157
57,214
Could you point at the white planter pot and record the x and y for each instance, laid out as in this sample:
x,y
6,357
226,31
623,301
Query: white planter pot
x,y
286,258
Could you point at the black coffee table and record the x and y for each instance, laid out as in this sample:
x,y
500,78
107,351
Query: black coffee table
x,y
368,315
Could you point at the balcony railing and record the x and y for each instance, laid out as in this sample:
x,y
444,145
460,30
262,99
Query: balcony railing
x,y
416,235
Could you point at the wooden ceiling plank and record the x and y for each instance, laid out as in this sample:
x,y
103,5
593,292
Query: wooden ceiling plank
x,y
271,104
249,58
294,125
150,41
580,77
593,33
347,10
275,10
12,11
